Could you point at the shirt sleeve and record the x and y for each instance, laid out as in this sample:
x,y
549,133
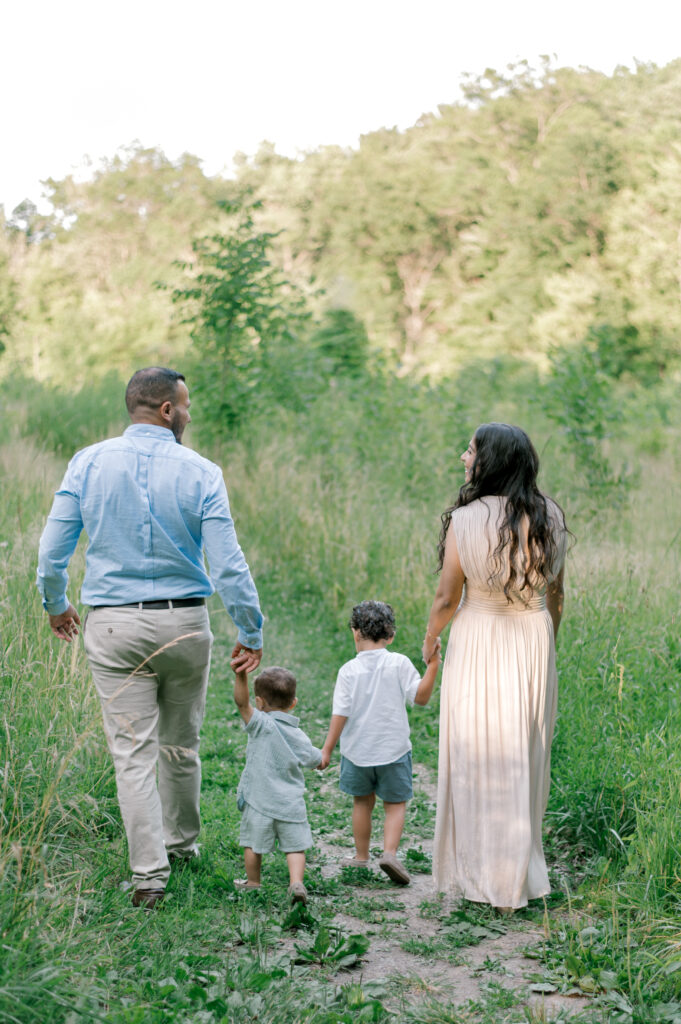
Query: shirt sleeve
x,y
308,755
410,681
58,543
228,568
342,695
256,722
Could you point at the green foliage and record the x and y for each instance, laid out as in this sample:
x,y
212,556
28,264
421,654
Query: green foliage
x,y
63,421
84,302
543,205
330,946
247,321
581,397
8,292
342,342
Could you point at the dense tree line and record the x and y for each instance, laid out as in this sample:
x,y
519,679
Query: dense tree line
x,y
544,207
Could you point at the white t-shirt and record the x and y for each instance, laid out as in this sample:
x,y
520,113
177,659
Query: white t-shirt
x,y
372,691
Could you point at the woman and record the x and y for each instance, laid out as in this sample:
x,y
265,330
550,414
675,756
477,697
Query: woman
x,y
502,545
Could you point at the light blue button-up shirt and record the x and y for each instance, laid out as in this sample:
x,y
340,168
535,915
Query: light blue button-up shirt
x,y
151,508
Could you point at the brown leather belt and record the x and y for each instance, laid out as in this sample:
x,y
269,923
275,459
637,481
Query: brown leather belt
x,y
180,602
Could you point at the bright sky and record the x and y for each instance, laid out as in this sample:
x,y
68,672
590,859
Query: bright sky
x,y
81,78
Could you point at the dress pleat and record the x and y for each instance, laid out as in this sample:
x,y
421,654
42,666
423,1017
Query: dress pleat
x,y
497,715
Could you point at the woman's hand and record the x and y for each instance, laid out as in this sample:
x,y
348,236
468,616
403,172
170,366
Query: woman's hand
x,y
431,645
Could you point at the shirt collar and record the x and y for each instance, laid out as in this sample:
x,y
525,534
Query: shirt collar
x,y
283,716
150,430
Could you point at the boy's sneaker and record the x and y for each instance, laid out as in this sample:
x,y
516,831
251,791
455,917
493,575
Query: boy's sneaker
x,y
395,871
298,893
355,862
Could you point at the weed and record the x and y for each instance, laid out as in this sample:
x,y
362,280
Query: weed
x,y
418,861
331,946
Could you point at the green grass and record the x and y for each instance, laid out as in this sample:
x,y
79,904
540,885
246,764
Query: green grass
x,y
324,526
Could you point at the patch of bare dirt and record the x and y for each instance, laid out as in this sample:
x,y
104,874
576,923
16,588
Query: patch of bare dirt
x,y
393,916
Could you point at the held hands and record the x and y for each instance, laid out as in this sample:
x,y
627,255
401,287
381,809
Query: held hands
x,y
65,626
432,649
245,659
326,758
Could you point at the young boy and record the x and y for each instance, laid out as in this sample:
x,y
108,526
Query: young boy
x,y
370,717
270,793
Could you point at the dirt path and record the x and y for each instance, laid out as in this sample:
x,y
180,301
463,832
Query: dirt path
x,y
427,946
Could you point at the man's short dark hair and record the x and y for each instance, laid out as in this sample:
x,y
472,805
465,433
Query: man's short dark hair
x,y
276,686
151,386
374,620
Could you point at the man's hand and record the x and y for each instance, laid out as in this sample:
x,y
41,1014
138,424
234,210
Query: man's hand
x,y
65,626
245,659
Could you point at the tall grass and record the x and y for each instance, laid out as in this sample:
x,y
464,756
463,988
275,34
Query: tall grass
x,y
333,507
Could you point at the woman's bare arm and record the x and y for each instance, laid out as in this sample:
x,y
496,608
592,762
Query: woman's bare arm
x,y
554,600
447,595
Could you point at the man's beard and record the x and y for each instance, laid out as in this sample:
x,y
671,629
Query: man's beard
x,y
177,426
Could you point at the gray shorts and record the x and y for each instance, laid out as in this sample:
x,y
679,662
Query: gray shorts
x,y
260,832
390,782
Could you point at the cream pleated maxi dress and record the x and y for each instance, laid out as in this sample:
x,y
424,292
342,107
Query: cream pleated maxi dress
x,y
497,714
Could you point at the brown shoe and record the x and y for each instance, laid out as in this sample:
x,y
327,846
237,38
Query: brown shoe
x,y
147,898
395,871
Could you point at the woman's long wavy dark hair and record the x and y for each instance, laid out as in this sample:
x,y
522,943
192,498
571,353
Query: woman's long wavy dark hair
x,y
506,464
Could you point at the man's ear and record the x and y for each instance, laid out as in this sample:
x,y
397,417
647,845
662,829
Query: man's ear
x,y
166,411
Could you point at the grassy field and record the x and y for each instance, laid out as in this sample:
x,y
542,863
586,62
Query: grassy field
x,y
343,508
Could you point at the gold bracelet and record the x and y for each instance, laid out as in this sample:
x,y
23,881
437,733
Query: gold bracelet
x,y
431,635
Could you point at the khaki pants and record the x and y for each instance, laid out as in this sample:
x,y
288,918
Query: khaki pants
x,y
150,669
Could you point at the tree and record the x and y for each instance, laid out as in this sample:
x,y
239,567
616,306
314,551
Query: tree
x,y
86,272
8,290
246,319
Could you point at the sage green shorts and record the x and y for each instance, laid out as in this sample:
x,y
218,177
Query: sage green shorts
x,y
260,832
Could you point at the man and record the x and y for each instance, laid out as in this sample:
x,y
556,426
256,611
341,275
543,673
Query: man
x,y
151,509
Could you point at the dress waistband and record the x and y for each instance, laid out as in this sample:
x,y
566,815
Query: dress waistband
x,y
494,602
180,602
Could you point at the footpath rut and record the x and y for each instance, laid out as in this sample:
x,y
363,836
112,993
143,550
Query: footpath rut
x,y
437,963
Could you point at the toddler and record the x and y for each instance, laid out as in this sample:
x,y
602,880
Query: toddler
x,y
369,716
270,793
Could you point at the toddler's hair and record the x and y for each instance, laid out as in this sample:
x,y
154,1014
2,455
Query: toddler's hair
x,y
276,686
375,620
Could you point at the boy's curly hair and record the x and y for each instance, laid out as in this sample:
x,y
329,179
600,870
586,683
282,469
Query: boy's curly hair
x,y
276,686
374,620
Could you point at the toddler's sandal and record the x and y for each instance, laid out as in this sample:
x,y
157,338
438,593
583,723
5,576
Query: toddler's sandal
x,y
298,893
